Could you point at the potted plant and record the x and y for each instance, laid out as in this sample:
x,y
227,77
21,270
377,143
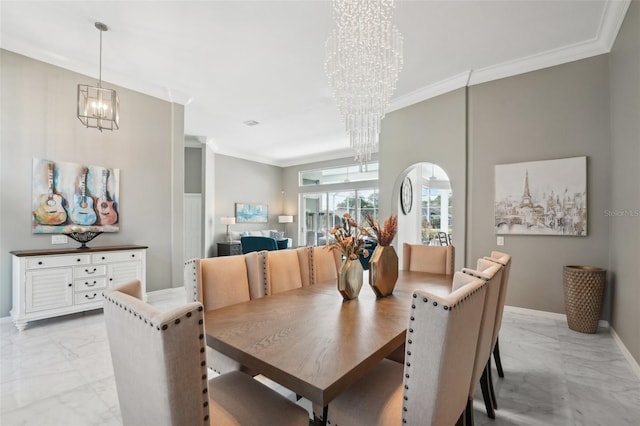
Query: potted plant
x,y
383,269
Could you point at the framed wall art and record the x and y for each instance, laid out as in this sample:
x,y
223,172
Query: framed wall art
x,y
542,197
71,197
251,213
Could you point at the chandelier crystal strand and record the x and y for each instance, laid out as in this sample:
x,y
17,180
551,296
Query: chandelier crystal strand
x,y
363,60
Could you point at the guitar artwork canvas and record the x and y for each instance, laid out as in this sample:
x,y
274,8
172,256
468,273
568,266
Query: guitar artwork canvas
x,y
74,198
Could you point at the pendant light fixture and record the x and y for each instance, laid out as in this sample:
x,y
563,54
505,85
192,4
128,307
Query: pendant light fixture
x,y
98,107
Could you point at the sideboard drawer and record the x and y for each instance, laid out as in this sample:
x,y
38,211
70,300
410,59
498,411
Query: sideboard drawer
x,y
116,256
41,262
89,271
95,283
88,297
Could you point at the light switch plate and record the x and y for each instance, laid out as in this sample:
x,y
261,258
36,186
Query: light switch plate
x,y
59,239
500,241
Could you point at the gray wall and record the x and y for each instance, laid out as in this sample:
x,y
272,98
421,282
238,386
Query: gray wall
x,y
38,115
433,131
624,260
193,170
553,113
244,181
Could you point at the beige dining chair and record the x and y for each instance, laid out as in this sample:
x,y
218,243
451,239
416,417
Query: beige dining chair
x,y
161,376
431,387
325,263
490,272
284,271
433,259
505,260
221,281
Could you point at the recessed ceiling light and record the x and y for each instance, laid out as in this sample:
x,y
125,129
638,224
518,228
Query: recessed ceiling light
x,y
251,123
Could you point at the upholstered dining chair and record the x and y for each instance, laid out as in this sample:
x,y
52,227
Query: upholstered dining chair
x,y
431,387
505,260
161,375
325,263
213,291
490,272
434,259
284,271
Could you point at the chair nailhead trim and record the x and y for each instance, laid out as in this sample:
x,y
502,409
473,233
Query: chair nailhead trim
x,y
415,295
188,314
203,363
413,306
164,327
425,300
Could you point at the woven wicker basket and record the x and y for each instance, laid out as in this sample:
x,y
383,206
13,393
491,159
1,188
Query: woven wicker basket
x,y
583,295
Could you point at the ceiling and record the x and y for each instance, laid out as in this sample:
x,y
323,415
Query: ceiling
x,y
233,61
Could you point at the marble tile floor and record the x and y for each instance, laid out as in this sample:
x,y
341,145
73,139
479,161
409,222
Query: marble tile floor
x,y
58,373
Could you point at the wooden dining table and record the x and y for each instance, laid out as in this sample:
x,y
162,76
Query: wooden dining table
x,y
311,341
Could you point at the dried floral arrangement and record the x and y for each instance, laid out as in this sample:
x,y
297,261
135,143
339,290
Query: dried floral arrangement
x,y
350,238
385,235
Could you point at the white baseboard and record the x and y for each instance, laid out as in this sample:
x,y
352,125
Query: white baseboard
x,y
632,361
546,314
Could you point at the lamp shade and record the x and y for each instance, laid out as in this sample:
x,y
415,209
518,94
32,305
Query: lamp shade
x,y
285,219
228,220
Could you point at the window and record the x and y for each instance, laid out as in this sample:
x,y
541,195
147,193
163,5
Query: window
x,y
349,189
338,175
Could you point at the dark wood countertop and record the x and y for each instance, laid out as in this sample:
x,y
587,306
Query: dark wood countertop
x,y
68,250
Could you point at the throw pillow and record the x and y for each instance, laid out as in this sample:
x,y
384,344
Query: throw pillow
x,y
277,235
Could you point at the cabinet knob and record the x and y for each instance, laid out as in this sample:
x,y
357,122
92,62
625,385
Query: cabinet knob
x,y
40,263
102,257
77,260
110,279
133,255
70,285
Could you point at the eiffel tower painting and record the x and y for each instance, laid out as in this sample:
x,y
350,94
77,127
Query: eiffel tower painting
x,y
542,197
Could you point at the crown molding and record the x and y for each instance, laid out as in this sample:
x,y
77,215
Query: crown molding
x,y
440,88
610,23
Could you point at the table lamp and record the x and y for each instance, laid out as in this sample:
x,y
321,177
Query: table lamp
x,y
285,219
228,220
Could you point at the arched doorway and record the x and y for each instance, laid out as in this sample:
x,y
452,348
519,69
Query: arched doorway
x,y
431,214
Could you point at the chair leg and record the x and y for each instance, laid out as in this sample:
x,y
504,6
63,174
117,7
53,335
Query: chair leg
x,y
494,400
496,357
468,413
486,394
461,419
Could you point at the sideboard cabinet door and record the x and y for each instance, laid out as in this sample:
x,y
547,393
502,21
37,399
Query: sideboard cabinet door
x,y
49,289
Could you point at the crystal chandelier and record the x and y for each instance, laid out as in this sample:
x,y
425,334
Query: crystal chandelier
x,y
363,60
98,107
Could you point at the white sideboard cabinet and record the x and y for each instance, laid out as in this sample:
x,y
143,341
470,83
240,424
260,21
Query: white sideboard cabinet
x,y
49,283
